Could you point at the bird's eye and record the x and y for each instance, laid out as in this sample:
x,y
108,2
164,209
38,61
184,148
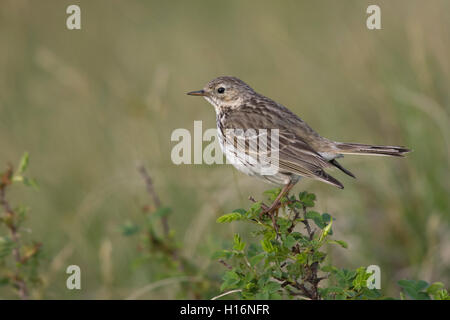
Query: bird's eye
x,y
221,90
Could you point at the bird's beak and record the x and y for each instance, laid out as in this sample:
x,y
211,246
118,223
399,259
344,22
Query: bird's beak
x,y
197,93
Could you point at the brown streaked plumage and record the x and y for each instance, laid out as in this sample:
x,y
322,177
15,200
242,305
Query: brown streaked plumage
x,y
302,151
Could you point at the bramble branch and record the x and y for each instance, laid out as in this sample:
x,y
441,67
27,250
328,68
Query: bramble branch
x,y
10,222
151,191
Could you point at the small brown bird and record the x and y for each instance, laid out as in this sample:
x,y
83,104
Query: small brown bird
x,y
302,152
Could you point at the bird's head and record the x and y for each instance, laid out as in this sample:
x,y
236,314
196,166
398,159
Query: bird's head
x,y
224,92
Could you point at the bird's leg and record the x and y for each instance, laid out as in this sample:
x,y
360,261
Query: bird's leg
x,y
273,209
277,201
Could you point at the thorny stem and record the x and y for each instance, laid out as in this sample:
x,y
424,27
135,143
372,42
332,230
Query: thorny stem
x,y
165,246
19,282
271,213
311,278
226,264
306,223
151,191
157,202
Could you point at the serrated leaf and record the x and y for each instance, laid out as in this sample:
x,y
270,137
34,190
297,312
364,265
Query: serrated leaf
x,y
313,215
307,198
239,245
229,217
262,295
267,245
415,284
240,210
321,221
230,279
289,242
257,259
256,207
272,287
272,193
302,258
343,244
414,289
435,287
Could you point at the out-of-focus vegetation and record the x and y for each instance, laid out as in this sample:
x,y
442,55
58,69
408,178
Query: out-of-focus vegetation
x,y
91,105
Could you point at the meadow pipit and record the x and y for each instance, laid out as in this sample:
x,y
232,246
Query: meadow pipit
x,y
302,152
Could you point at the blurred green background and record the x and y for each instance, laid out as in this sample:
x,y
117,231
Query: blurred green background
x,y
90,105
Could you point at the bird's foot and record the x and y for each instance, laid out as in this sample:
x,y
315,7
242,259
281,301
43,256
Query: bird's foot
x,y
269,210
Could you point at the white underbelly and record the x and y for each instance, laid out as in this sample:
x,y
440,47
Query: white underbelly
x,y
251,168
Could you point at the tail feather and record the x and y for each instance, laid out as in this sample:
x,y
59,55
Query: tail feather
x,y
358,148
338,165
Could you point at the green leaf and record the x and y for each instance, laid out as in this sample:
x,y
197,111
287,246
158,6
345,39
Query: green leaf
x,y
262,295
226,254
343,244
239,245
272,287
240,210
256,207
289,242
335,290
257,259
418,285
326,217
371,294
414,289
320,220
313,215
435,287
307,198
267,246
299,236
345,277
441,295
230,279
302,258
272,193
229,217
360,280
29,182
275,296
23,163
325,231
129,228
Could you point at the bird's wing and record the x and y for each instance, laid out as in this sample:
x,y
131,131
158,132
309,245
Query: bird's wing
x,y
295,155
